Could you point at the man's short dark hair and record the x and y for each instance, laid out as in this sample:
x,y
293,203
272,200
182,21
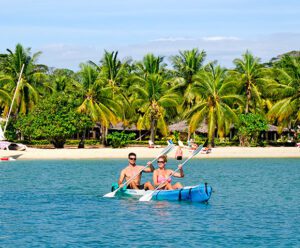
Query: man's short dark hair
x,y
130,154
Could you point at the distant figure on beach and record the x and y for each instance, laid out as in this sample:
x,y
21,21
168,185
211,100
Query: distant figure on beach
x,y
205,150
133,170
161,175
192,145
178,153
151,144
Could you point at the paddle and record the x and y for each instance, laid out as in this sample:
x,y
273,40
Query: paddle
x,y
148,196
163,152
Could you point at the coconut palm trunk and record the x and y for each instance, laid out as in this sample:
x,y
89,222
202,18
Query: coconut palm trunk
x,y
248,96
153,129
211,127
103,135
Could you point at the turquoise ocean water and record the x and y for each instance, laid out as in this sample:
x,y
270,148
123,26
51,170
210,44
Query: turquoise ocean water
x,y
256,203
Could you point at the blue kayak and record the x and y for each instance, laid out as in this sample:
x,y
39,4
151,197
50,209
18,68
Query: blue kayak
x,y
198,193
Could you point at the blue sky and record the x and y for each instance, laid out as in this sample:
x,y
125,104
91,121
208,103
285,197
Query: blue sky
x,y
70,32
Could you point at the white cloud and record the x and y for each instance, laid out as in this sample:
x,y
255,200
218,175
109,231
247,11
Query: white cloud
x,y
219,38
221,48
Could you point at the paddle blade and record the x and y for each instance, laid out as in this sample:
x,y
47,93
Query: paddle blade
x,y
197,151
146,197
110,194
167,149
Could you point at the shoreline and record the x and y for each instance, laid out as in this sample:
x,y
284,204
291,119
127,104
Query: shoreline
x,y
145,152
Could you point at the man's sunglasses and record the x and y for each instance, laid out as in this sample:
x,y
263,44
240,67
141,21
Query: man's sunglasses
x,y
132,158
160,162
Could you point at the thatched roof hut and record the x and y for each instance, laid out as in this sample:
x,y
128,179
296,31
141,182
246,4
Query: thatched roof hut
x,y
120,127
182,126
273,128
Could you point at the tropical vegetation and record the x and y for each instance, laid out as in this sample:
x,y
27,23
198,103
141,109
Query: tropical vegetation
x,y
58,103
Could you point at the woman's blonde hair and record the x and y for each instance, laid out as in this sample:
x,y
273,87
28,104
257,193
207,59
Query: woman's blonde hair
x,y
164,157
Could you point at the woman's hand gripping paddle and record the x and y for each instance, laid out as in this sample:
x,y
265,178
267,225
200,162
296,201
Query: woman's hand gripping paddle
x,y
163,152
148,196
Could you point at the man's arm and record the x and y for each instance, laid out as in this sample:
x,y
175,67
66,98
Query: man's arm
x,y
149,168
121,178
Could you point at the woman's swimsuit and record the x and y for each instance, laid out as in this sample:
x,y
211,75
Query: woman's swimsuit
x,y
161,179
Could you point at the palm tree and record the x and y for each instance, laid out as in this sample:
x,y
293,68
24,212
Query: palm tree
x,y
216,96
97,99
4,99
151,65
64,80
252,76
32,79
287,91
112,70
187,64
152,95
114,73
153,99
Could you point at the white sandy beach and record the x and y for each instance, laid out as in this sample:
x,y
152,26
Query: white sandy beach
x,y
144,152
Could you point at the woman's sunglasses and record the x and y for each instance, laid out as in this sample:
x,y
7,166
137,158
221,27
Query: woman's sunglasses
x,y
160,162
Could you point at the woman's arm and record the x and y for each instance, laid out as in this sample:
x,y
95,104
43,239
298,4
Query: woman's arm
x,y
180,173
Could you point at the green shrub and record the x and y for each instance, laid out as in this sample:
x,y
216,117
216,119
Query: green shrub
x,y
250,126
117,139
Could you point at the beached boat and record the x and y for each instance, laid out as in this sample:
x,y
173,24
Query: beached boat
x,y
7,159
198,193
6,145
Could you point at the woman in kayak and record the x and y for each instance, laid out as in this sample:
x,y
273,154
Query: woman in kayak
x,y
161,176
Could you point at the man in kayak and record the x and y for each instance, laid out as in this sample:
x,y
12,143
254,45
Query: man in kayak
x,y
133,170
